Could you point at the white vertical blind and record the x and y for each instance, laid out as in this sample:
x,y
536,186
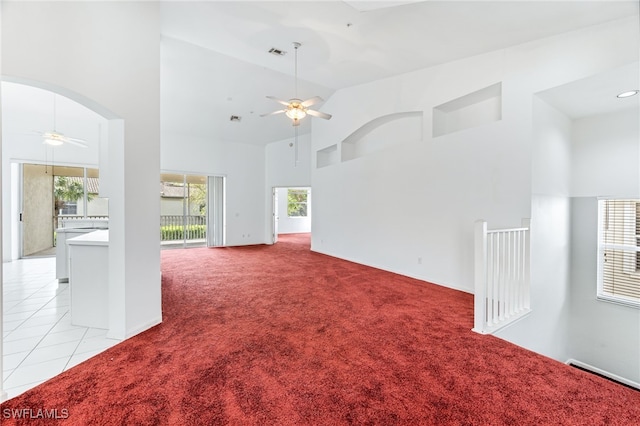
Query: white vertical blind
x,y
215,212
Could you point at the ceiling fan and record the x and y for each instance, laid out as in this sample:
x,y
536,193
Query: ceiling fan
x,y
55,138
296,109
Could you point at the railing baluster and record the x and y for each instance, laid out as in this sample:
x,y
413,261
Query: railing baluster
x,y
488,284
521,243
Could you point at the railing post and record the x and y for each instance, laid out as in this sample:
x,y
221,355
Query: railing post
x,y
480,276
526,223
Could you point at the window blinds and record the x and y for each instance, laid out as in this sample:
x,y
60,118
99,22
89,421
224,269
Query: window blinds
x,y
619,249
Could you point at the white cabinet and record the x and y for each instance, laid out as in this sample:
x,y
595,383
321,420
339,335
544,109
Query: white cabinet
x,y
62,255
89,279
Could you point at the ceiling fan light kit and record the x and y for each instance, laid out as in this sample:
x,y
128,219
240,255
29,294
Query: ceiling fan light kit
x,y
53,139
295,110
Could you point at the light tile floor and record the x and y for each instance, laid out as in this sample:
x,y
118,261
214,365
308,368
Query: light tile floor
x,y
39,340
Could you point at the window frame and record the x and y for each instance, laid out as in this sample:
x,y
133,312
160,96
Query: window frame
x,y
601,293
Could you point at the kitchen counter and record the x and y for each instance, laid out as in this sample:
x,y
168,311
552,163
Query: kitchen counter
x,y
94,238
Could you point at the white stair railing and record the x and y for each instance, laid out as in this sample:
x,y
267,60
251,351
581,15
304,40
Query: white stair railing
x,y
501,276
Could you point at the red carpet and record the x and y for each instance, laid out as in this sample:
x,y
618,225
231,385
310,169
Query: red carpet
x,y
277,335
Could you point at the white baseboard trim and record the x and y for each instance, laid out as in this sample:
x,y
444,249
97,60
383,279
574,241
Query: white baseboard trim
x,y
393,271
137,330
144,327
602,372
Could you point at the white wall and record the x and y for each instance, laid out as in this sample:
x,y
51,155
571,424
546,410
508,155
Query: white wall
x,y
281,166
606,162
292,225
243,165
107,57
606,153
422,197
545,329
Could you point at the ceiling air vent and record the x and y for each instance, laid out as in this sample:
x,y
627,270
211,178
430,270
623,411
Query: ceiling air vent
x,y
277,52
235,118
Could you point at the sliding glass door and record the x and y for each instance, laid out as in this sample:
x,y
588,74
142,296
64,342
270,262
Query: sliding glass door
x,y
183,210
192,210
54,197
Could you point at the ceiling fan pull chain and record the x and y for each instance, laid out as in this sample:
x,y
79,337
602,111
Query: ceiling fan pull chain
x,y
295,159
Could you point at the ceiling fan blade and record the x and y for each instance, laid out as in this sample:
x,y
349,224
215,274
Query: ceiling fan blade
x,y
77,142
280,101
318,114
273,113
312,101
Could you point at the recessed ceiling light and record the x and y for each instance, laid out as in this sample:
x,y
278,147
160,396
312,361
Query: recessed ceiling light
x,y
628,94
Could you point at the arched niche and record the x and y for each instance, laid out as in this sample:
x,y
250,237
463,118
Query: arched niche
x,y
383,132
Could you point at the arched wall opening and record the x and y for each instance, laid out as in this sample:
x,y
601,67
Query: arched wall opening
x,y
26,115
29,109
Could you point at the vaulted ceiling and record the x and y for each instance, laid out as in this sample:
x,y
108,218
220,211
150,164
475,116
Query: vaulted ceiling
x,y
216,61
344,43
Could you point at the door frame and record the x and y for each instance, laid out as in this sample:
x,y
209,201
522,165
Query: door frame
x,y
275,215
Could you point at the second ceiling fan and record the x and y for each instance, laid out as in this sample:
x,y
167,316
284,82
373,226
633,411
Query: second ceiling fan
x,y
296,109
54,137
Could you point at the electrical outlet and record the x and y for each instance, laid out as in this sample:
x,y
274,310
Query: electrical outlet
x,y
419,261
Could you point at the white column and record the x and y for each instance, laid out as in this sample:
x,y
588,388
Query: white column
x,y
3,393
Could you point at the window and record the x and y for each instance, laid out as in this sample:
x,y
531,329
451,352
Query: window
x,y
69,208
619,251
297,202
76,193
